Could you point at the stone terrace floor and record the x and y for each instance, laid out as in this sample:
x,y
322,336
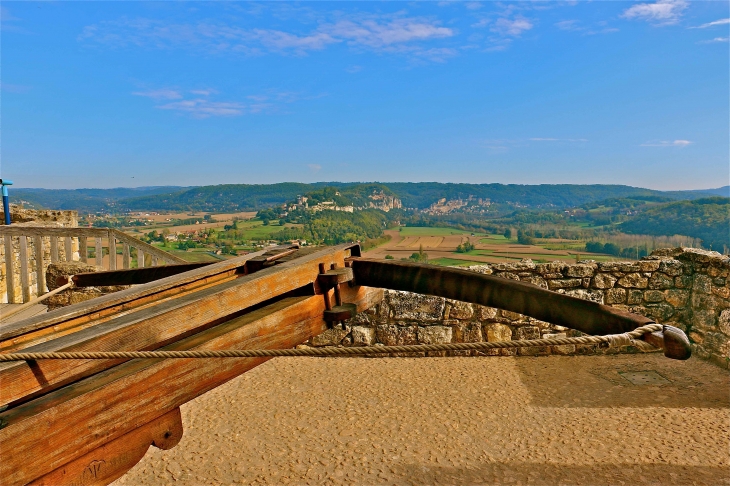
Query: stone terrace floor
x,y
547,420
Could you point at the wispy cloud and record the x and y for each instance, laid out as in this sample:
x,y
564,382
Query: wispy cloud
x,y
558,139
712,24
715,40
314,167
353,69
668,143
391,33
204,108
160,94
198,104
576,26
663,12
514,27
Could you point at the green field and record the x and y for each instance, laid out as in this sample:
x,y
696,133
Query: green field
x,y
432,231
495,240
453,262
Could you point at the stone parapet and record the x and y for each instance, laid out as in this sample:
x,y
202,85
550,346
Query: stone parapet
x,y
684,287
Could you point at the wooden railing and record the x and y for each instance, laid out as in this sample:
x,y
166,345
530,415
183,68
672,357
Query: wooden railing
x,y
31,245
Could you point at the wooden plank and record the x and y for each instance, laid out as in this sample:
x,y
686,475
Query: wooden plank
x,y
112,251
125,256
51,231
54,249
83,249
133,276
126,299
112,460
68,249
40,274
32,310
9,271
24,268
154,326
98,252
140,258
44,434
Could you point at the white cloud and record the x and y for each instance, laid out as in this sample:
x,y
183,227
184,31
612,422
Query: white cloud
x,y
353,69
712,41
204,108
204,92
514,27
568,25
712,24
381,33
314,167
663,12
558,140
668,143
160,94
481,23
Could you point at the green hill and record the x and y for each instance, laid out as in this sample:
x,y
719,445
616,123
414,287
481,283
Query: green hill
x,y
706,218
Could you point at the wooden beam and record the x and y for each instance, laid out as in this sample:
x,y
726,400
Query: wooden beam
x,y
112,460
54,248
152,250
126,299
40,274
46,433
9,271
83,249
24,267
68,249
98,252
153,326
112,251
125,256
51,231
133,276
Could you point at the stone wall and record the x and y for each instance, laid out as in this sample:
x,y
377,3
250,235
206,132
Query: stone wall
x,y
684,287
31,217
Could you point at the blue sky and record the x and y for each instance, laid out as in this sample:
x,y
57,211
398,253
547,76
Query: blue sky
x,y
109,94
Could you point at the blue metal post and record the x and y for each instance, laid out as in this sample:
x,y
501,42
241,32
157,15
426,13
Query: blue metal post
x,y
6,200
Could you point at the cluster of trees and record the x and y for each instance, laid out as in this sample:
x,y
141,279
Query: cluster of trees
x,y
707,219
616,250
465,247
420,256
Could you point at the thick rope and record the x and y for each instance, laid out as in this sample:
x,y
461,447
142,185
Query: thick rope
x,y
628,338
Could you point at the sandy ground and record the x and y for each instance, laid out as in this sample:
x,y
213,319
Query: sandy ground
x,y
540,421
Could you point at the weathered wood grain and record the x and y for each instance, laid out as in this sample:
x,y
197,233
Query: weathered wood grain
x,y
83,249
68,248
125,256
98,252
125,299
9,272
112,251
156,325
52,430
40,274
112,460
24,267
54,248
